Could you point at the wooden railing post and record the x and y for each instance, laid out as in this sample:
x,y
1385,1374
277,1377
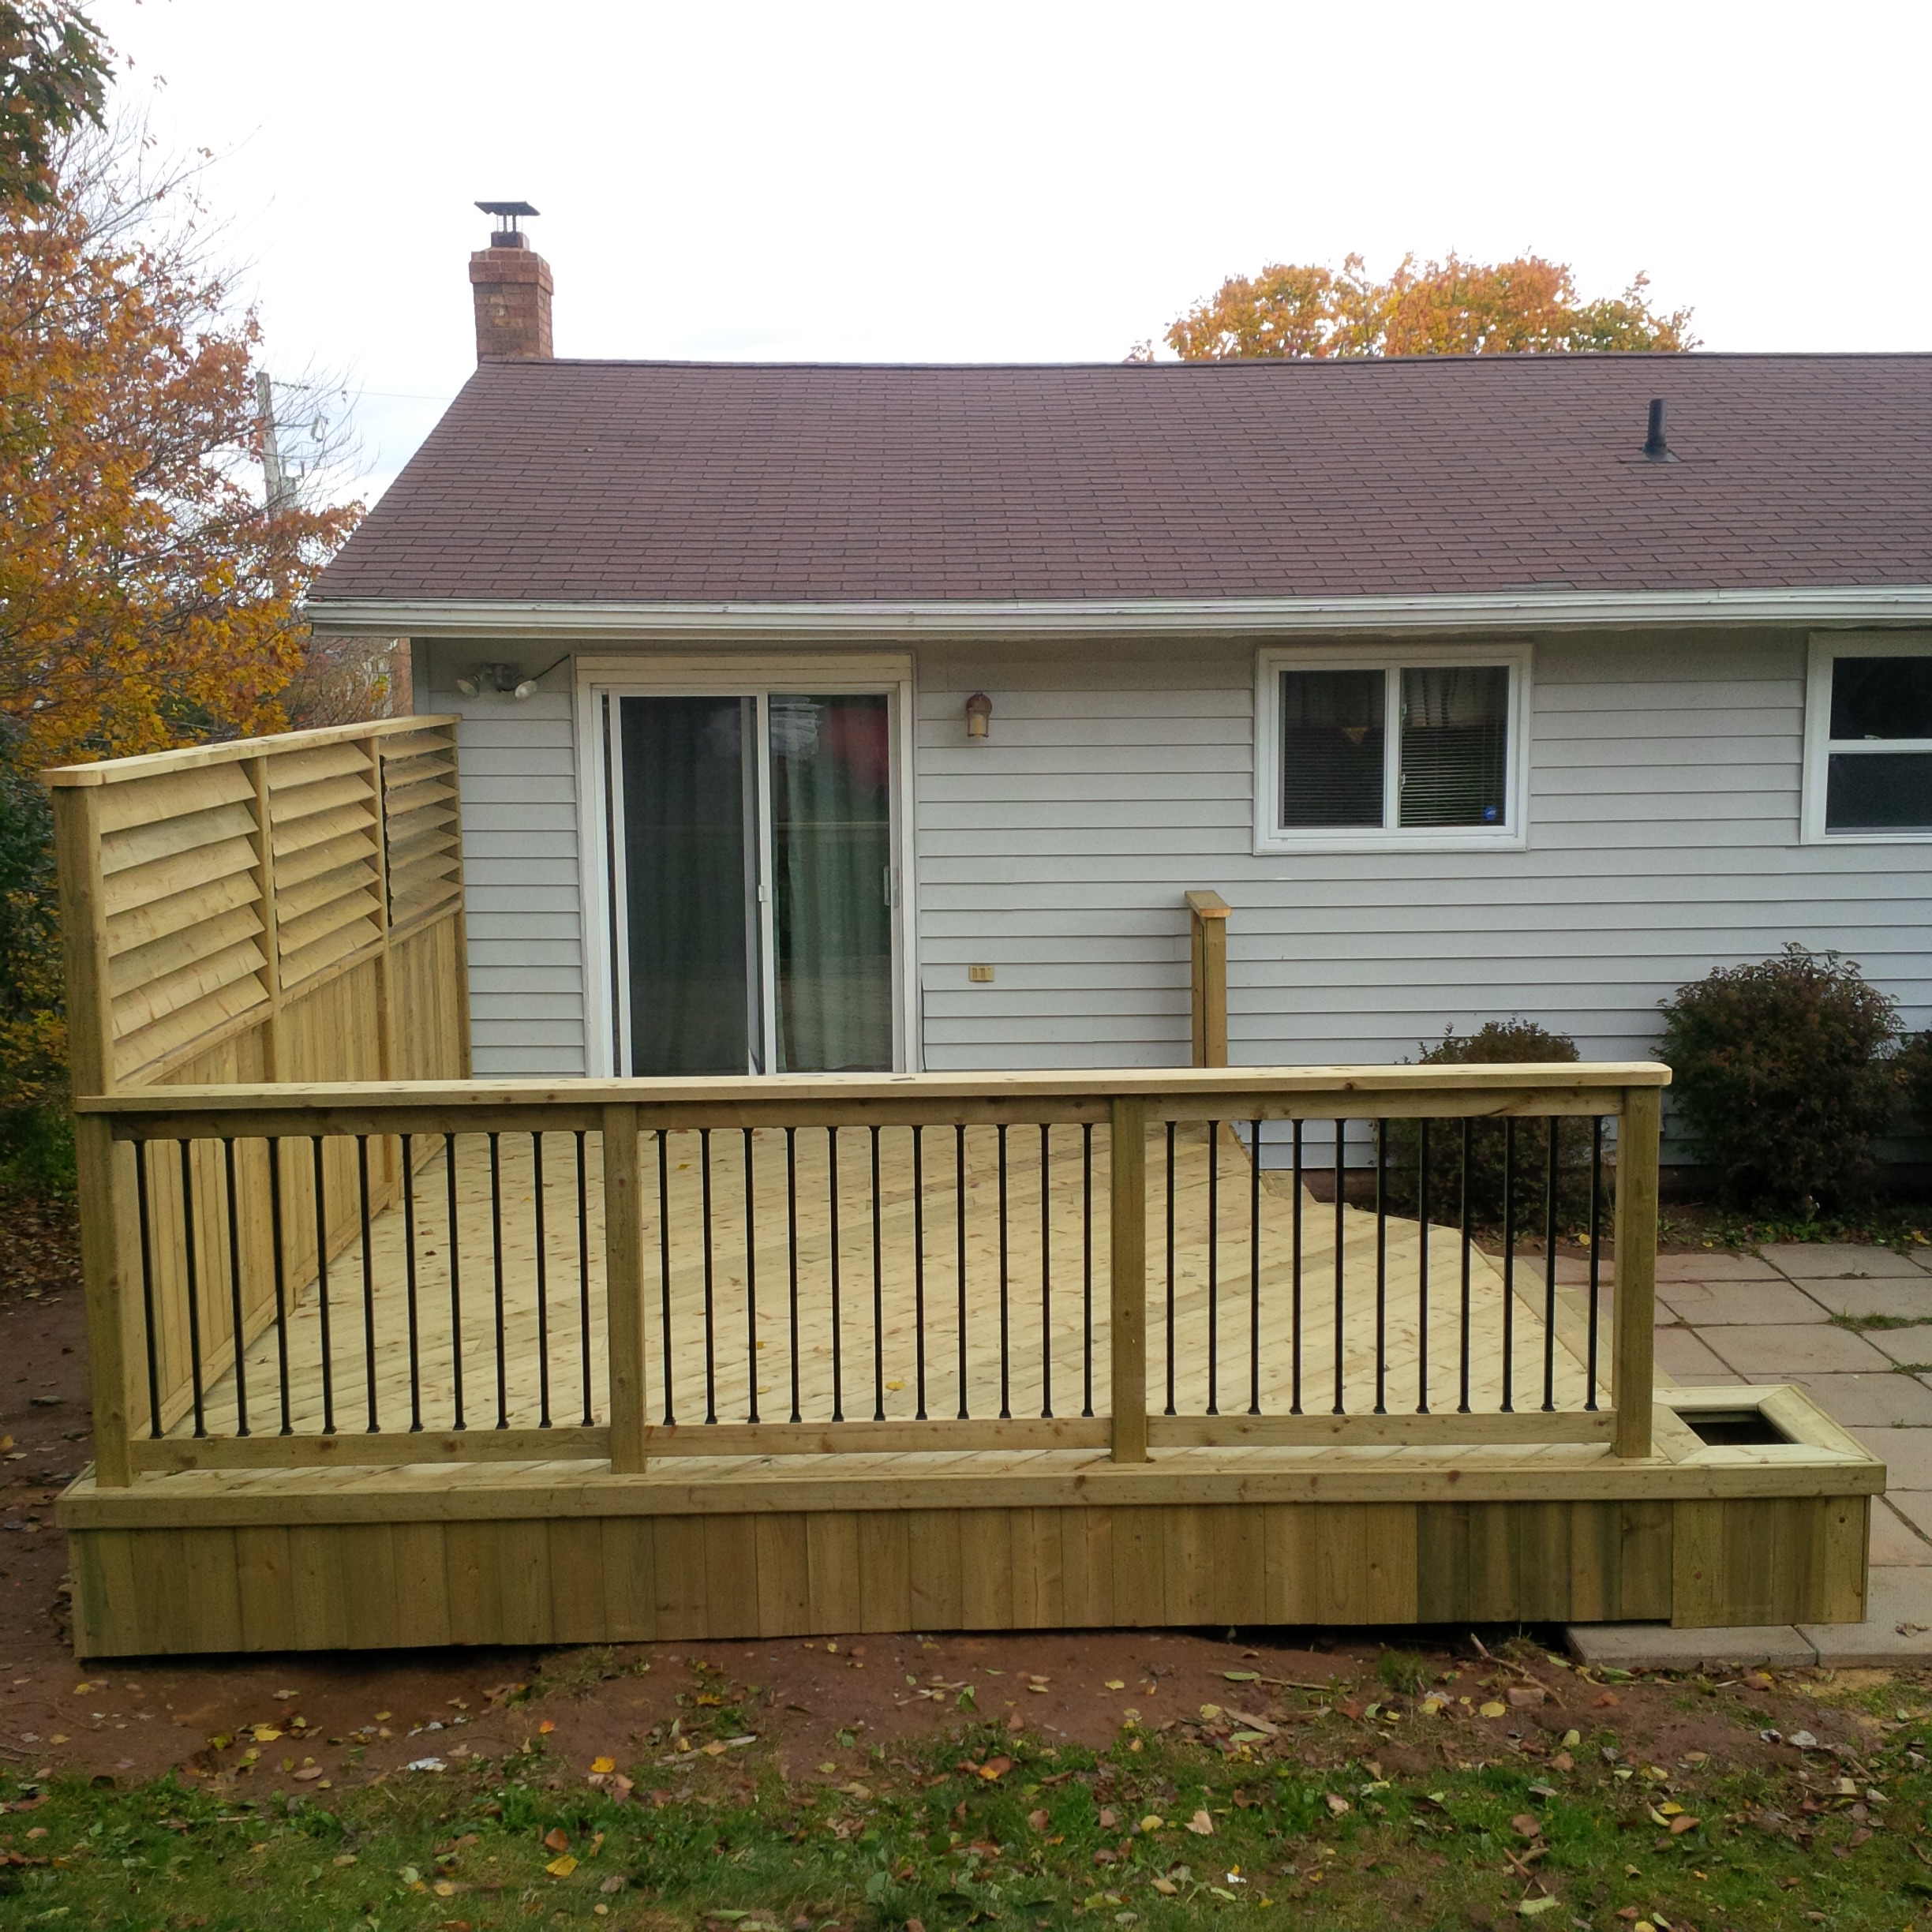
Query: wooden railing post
x,y
624,1287
1207,915
1633,1361
1127,1276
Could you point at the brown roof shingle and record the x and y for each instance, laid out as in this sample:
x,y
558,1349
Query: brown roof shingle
x,y
677,483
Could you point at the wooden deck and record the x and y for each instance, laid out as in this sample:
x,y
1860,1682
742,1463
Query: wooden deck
x,y
507,1436
1059,1339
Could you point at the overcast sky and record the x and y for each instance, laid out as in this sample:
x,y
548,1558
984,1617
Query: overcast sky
x,y
1035,182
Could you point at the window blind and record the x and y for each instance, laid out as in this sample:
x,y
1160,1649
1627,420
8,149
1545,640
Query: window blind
x,y
1454,745
1333,742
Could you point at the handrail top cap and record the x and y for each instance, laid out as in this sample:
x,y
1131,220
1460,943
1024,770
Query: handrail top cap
x,y
1128,1083
232,750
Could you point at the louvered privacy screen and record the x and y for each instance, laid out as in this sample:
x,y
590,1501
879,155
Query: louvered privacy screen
x,y
361,847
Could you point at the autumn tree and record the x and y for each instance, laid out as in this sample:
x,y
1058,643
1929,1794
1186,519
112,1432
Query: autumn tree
x,y
1451,307
53,68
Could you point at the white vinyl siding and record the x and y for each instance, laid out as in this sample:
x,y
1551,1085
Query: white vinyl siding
x,y
1662,839
518,771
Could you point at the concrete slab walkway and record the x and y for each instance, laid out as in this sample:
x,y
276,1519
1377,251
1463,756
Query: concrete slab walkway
x,y
1853,1327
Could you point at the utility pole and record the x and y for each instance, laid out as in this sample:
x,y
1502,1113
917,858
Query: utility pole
x,y
275,477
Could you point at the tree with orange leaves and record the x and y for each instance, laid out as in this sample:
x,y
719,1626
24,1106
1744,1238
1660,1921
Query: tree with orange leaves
x,y
1527,306
149,592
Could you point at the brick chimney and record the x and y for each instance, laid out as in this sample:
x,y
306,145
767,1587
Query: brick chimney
x,y
511,284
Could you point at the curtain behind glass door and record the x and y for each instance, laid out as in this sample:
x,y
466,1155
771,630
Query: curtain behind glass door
x,y
690,824
831,807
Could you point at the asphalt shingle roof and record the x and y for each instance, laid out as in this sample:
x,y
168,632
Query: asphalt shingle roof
x,y
664,482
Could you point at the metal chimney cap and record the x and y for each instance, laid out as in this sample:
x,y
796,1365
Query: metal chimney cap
x,y
512,209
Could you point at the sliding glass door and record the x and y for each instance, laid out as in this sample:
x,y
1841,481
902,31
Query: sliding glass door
x,y
753,882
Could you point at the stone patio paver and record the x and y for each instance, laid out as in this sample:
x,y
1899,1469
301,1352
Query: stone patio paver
x,y
1896,1300
1915,1505
1732,1304
1907,1453
1684,1357
1784,1351
1867,1401
1895,1538
1719,1266
1897,1628
1912,1346
1657,1647
1838,1261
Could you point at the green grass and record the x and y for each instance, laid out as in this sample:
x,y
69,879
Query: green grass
x,y
993,1830
1899,1225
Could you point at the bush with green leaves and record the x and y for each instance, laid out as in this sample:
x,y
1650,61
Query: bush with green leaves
x,y
1494,1150
1783,1072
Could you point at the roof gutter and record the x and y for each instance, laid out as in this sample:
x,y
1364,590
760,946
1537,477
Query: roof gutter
x,y
1485,610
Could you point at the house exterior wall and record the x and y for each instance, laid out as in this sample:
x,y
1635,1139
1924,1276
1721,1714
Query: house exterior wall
x,y
1663,839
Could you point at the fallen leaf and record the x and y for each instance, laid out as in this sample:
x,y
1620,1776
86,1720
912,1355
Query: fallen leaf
x,y
1037,1820
1166,1887
1531,1907
556,1839
714,1749
308,1772
995,1769
561,1867
1108,1819
1605,1699
1241,1676
546,1727
1201,1825
1153,1823
1683,1823
1117,1683
1563,1761
603,1766
1492,1709
614,1884
265,1734
1525,1826
1337,1804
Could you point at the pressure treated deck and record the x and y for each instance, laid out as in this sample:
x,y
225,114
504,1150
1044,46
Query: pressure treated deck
x,y
1056,1296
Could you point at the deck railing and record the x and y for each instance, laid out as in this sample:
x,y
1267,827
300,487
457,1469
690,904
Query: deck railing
x,y
641,1268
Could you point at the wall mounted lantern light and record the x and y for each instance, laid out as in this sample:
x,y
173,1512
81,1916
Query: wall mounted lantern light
x,y
979,718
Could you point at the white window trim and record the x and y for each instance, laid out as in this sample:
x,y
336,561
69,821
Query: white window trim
x,y
741,674
1512,835
1826,647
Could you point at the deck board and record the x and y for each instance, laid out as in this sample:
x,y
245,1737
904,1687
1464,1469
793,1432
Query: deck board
x,y
857,1355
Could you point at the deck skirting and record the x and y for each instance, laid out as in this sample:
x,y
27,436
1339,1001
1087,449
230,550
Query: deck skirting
x,y
560,1552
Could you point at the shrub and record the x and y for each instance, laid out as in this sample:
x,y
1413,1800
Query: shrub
x,y
33,1039
1783,1072
1494,1043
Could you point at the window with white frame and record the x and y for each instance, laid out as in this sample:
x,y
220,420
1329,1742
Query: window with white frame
x,y
1868,738
1413,748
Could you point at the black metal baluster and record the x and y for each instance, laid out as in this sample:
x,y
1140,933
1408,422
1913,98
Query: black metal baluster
x,y
1549,1273
543,1280
147,1312
496,1264
1170,1267
322,1291
751,1344
455,1272
704,1166
1596,1249
281,1282
838,1365
235,1290
1422,1270
1213,1268
409,1285
194,1285
878,1293
1509,1264
1005,1365
1381,1378
1254,1269
1468,1162
583,1275
1087,1268
919,1264
959,1155
1294,1406
1340,1338
791,1254
1046,1275
368,1284
663,1267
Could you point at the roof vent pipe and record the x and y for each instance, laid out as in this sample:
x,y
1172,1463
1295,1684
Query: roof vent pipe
x,y
1655,448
